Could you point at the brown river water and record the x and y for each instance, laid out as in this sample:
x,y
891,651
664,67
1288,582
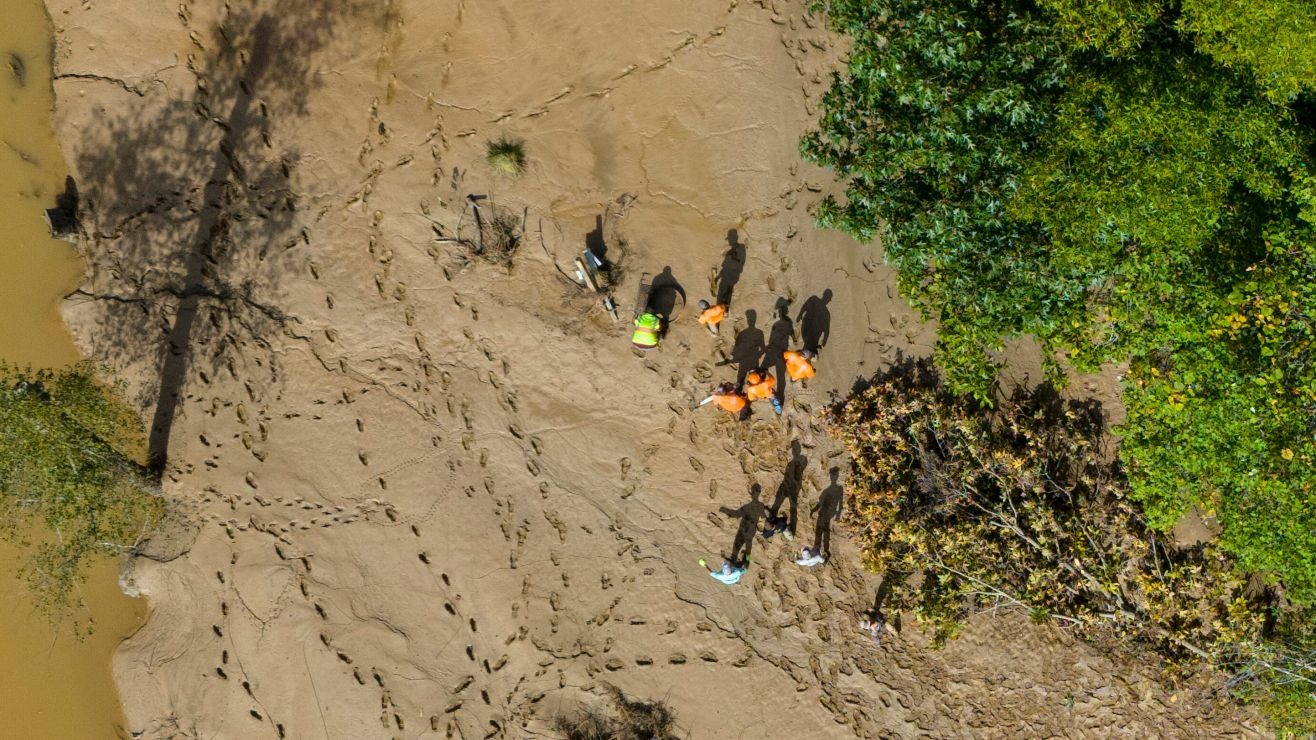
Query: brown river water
x,y
51,685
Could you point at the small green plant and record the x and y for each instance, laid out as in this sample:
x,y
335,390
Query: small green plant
x,y
69,487
506,155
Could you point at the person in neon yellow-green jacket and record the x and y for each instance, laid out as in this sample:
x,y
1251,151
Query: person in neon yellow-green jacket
x,y
648,328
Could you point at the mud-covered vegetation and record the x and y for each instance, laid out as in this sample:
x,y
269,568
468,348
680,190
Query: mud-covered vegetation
x,y
1128,182
623,719
966,508
69,488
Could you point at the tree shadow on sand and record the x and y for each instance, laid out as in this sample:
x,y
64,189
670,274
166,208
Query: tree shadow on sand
x,y
189,211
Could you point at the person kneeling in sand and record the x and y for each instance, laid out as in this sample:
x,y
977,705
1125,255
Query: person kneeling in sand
x,y
730,400
760,384
873,625
711,316
799,365
648,330
810,557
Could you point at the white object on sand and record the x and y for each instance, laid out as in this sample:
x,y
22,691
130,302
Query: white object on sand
x,y
810,557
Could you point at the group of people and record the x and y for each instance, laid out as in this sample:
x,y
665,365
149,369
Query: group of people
x,y
759,382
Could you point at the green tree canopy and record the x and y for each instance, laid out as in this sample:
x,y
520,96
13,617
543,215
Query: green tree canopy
x,y
1127,181
1274,40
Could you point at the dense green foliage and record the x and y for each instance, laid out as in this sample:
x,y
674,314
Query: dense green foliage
x,y
68,490
1129,181
964,509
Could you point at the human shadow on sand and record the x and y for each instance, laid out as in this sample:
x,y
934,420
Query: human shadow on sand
x,y
779,337
733,264
749,514
828,507
666,296
747,351
788,491
815,321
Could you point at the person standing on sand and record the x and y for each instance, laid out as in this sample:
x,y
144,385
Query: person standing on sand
x,y
729,573
760,384
777,524
810,557
873,625
799,365
711,316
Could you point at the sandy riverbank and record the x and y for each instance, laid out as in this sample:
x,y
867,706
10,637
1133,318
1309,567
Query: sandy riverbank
x,y
431,493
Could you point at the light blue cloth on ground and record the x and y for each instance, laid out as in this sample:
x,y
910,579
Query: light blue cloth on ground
x,y
729,577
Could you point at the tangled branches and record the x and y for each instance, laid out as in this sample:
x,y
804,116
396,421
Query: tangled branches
x,y
1023,507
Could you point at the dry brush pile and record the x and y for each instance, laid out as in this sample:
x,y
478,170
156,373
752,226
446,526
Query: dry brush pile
x,y
967,508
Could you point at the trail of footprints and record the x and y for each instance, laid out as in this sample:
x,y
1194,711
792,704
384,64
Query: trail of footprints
x,y
391,715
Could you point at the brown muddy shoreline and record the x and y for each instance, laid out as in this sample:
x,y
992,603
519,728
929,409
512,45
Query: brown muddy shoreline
x,y
56,681
427,495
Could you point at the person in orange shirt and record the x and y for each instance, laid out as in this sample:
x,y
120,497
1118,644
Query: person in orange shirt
x,y
799,365
760,384
711,316
727,398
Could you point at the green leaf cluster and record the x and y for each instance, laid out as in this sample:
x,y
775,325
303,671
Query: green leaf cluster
x,y
69,489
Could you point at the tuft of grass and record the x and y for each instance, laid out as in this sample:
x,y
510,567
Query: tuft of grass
x,y
506,155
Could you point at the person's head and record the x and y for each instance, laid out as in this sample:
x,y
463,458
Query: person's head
x,y
703,305
751,316
754,377
835,472
827,296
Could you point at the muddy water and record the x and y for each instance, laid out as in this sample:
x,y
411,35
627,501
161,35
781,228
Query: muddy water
x,y
51,686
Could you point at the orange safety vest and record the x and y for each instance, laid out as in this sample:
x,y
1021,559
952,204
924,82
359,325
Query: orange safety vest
x,y
797,366
732,402
759,386
713,315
